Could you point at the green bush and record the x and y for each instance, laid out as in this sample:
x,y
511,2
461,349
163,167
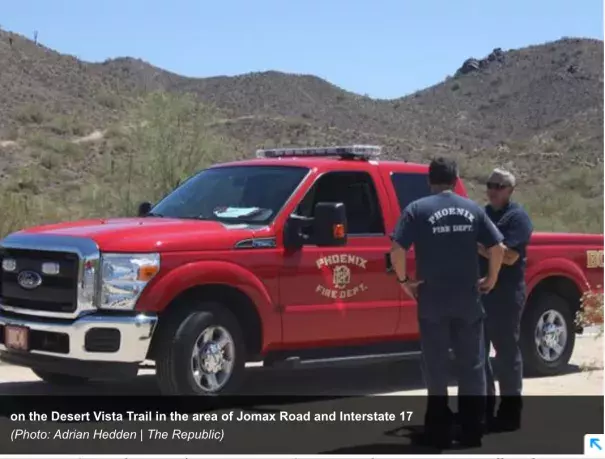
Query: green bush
x,y
31,114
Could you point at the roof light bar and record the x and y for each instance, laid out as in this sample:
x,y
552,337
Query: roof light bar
x,y
354,151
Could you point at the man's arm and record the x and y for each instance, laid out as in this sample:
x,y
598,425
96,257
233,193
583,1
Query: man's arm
x,y
495,256
509,258
517,233
403,238
398,256
491,239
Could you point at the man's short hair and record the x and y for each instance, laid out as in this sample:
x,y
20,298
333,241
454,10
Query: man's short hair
x,y
502,177
443,171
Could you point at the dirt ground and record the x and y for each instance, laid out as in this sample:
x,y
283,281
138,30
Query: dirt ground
x,y
583,376
588,356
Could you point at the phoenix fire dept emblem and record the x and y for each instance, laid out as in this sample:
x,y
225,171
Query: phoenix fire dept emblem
x,y
342,276
342,267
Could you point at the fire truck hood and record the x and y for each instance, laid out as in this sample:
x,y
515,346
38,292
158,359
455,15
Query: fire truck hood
x,y
152,234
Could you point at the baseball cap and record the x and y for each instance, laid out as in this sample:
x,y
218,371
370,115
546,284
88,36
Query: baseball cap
x,y
502,177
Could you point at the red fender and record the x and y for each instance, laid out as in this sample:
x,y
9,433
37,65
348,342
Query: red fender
x,y
165,288
556,267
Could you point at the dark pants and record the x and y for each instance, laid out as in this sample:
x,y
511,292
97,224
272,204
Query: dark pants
x,y
465,338
502,329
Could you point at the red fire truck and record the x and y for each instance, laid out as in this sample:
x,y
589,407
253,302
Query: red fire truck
x,y
281,259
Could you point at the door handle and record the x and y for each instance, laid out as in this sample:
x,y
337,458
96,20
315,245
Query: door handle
x,y
389,265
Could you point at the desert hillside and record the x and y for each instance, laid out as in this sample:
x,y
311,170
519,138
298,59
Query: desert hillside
x,y
80,139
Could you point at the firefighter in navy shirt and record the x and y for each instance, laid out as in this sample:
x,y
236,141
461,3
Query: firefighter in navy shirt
x,y
445,229
504,304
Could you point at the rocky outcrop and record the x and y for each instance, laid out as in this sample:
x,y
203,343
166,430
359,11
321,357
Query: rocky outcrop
x,y
474,65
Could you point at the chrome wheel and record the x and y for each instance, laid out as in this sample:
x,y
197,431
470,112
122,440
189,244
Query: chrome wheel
x,y
551,335
213,358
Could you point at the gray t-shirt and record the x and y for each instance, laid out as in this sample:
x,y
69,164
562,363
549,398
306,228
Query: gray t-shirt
x,y
444,229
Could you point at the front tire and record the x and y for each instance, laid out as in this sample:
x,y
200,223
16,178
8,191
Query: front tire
x,y
547,336
201,351
58,379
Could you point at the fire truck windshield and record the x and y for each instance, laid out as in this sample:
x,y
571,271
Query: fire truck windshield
x,y
233,194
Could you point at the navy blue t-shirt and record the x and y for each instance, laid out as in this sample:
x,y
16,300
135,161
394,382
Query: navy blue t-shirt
x,y
444,229
516,227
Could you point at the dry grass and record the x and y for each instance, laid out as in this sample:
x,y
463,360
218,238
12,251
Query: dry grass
x,y
539,113
591,313
67,180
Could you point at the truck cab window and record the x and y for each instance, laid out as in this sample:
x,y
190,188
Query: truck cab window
x,y
410,187
356,191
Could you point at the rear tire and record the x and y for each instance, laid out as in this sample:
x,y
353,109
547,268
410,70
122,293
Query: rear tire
x,y
58,379
547,335
201,351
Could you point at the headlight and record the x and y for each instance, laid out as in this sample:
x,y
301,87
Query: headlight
x,y
123,278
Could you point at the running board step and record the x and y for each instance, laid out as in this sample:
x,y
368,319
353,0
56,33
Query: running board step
x,y
295,362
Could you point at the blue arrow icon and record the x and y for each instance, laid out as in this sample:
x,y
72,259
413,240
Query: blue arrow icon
x,y
594,443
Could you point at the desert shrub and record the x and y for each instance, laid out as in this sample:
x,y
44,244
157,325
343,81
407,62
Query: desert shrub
x,y
31,114
109,100
66,125
170,139
591,313
15,212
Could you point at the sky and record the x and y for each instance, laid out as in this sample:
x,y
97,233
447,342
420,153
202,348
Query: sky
x,y
381,48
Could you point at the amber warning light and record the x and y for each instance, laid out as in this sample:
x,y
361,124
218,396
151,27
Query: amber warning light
x,y
339,231
352,151
146,272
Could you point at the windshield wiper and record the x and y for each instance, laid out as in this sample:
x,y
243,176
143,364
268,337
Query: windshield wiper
x,y
153,214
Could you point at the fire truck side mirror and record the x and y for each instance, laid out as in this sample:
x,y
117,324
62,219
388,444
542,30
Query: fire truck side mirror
x,y
144,209
330,224
327,227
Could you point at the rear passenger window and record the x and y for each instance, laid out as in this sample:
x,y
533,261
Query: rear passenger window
x,y
410,187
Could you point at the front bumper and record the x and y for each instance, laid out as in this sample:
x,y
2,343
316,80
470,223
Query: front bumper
x,y
93,342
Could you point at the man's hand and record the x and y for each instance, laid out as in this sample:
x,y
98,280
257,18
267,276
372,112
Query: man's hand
x,y
411,287
486,284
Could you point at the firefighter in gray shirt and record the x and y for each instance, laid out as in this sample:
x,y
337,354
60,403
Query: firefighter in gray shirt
x,y
445,229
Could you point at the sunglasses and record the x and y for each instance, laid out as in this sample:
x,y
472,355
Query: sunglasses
x,y
496,186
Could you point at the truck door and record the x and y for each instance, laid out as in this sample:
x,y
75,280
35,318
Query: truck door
x,y
404,188
341,294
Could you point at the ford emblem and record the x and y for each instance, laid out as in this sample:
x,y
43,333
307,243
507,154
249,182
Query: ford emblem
x,y
29,279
